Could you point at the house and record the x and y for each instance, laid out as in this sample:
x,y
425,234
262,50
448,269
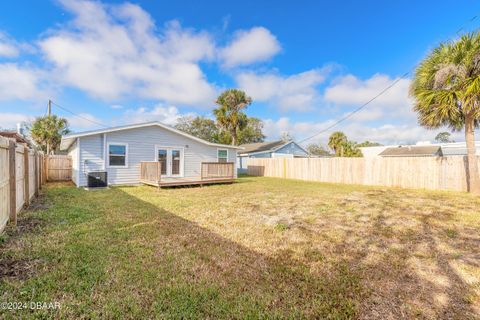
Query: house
x,y
447,149
115,154
13,135
458,148
273,149
412,151
18,135
369,152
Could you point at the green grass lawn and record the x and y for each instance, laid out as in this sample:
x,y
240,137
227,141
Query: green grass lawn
x,y
259,248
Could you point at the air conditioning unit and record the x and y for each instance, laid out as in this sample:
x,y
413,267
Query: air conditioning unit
x,y
97,179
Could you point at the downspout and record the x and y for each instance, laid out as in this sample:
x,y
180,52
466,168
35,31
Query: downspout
x,y
104,152
79,161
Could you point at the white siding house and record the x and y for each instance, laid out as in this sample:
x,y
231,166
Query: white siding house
x,y
119,151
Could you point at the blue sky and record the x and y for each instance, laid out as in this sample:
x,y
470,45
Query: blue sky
x,y
305,64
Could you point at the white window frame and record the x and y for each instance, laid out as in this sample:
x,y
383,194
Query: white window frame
x,y
222,149
169,160
108,154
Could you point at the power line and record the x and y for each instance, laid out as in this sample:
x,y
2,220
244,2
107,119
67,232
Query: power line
x,y
79,116
381,92
359,108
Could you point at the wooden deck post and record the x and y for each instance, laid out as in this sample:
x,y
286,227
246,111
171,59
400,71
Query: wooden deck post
x,y
13,182
26,176
159,172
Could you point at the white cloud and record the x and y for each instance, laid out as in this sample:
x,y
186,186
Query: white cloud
x,y
83,121
297,92
249,46
9,120
386,133
350,91
20,83
165,114
8,47
114,51
116,106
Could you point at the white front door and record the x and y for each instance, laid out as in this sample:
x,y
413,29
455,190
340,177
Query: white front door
x,y
171,159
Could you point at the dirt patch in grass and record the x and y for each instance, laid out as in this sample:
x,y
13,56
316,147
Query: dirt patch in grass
x,y
29,223
19,269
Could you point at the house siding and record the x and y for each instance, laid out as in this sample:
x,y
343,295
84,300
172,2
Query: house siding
x,y
292,148
141,147
262,155
91,156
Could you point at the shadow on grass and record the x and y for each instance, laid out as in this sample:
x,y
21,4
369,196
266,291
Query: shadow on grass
x,y
141,261
110,254
413,271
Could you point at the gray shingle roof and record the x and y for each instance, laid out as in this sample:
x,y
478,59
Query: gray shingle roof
x,y
261,146
412,151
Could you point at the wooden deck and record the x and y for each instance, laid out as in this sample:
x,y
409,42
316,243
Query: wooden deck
x,y
211,173
172,182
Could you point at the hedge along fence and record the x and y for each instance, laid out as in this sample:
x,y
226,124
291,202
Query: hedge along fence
x,y
22,174
435,173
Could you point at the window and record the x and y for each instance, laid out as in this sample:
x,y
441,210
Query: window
x,y
222,155
117,155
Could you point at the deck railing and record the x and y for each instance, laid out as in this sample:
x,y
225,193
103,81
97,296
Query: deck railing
x,y
218,170
150,172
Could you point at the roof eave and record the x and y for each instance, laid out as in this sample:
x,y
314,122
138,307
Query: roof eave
x,y
141,125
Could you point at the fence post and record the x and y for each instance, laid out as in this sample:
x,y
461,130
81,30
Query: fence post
x,y
47,160
13,182
26,176
40,171
35,171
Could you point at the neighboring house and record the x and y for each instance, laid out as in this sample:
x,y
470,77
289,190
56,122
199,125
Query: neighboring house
x,y
447,149
118,151
369,152
18,135
412,151
458,148
273,149
14,136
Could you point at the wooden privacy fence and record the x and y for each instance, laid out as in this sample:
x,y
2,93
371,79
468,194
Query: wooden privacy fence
x,y
58,168
435,173
21,176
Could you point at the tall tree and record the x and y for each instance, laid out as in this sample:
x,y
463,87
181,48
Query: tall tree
x,y
206,129
317,150
286,136
336,141
443,137
47,132
229,114
200,127
350,149
252,132
446,88
369,144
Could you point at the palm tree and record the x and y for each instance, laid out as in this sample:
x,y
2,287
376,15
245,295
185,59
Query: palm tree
x,y
229,113
47,132
446,88
335,142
